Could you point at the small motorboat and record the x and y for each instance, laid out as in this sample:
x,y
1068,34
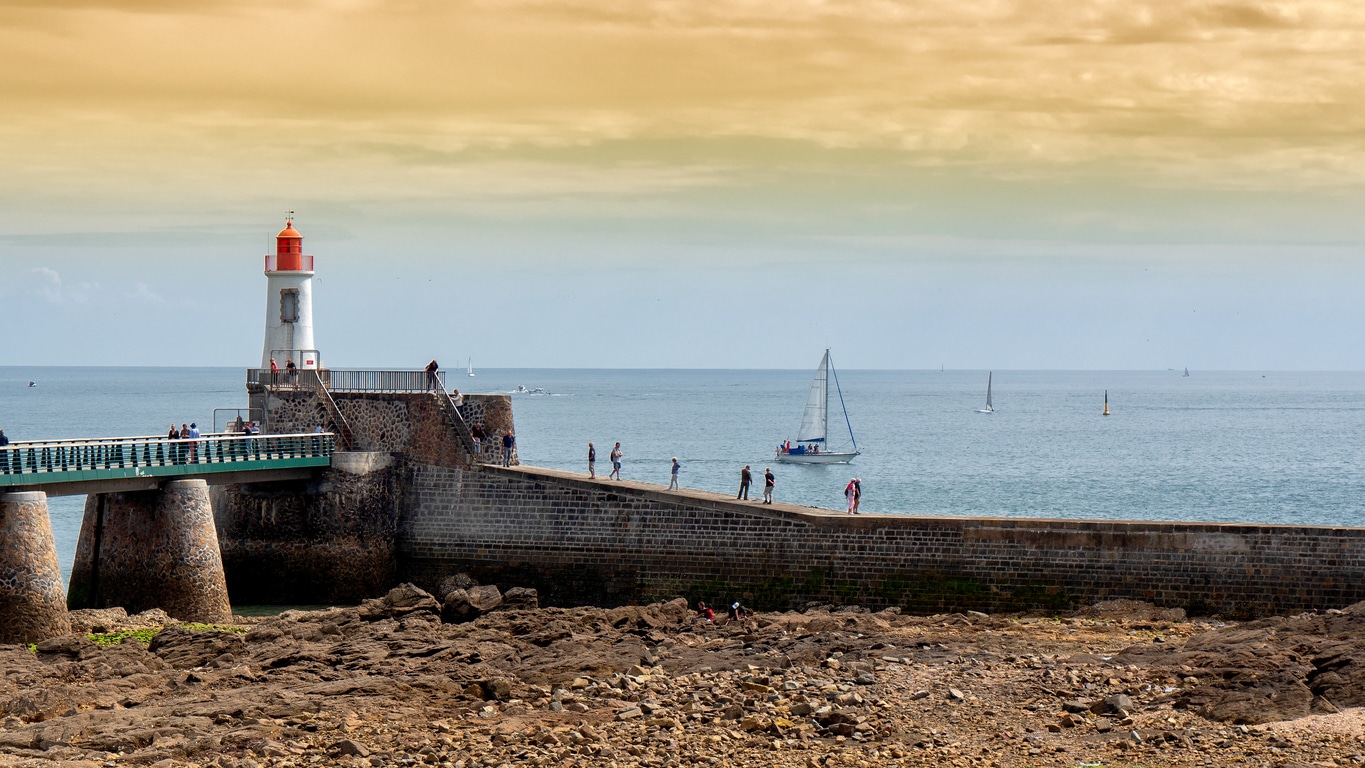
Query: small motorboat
x,y
33,384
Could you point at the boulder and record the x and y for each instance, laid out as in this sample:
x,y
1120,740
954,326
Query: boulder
x,y
451,583
400,601
468,604
521,598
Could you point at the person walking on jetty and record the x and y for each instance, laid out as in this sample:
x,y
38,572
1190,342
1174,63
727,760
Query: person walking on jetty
x,y
592,462
431,370
616,461
857,494
848,494
768,482
673,483
478,434
508,441
744,479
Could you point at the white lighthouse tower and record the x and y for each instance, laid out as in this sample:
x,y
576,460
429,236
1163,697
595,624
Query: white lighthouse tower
x,y
289,303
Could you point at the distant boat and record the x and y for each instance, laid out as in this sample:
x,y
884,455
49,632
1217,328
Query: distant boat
x,y
32,384
1187,372
989,408
1106,403
811,445
469,364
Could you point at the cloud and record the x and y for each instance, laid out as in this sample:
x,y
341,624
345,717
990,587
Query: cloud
x,y
47,284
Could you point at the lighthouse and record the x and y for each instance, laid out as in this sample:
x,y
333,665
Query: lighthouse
x,y
289,302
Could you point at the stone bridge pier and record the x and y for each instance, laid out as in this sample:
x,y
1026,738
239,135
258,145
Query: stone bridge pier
x,y
151,549
32,602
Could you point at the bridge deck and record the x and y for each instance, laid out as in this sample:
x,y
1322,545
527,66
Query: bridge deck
x,y
51,464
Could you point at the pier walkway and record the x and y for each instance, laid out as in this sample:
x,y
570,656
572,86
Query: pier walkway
x,y
115,464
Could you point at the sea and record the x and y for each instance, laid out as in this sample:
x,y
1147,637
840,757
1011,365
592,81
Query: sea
x,y
1216,446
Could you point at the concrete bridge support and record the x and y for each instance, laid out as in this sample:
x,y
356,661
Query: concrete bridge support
x,y
32,602
151,549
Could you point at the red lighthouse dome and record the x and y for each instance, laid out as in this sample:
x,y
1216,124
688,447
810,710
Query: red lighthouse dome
x,y
289,256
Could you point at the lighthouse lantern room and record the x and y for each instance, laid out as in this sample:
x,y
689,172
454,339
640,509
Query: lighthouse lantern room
x,y
289,302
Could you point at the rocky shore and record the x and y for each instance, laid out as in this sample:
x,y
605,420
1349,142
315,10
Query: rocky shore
x,y
503,683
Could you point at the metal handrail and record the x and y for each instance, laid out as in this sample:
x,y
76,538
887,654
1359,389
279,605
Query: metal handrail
x,y
58,456
272,262
348,381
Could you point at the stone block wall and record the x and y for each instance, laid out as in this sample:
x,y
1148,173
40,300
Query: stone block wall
x,y
581,541
325,541
412,424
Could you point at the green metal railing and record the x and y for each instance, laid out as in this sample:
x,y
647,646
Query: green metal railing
x,y
114,458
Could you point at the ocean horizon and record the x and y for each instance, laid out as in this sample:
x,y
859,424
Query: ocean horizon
x,y
1273,447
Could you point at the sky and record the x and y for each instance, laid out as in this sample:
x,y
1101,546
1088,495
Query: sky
x,y
1079,184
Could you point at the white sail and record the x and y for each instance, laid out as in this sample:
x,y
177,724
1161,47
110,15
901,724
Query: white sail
x,y
989,407
470,366
814,418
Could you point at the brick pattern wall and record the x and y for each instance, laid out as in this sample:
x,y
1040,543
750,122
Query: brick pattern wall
x,y
581,541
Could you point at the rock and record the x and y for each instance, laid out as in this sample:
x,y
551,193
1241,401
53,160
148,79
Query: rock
x,y
351,747
1117,704
451,583
188,648
1075,705
496,689
629,713
97,620
408,598
956,695
485,598
521,598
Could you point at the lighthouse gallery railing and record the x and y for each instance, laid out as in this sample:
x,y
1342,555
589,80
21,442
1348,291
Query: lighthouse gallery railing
x,y
348,381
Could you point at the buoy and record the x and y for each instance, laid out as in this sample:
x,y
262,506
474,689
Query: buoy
x,y
1106,403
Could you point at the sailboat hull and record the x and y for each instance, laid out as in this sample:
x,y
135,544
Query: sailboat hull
x,y
817,458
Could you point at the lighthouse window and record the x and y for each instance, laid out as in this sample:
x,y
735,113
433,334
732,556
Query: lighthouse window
x,y
289,305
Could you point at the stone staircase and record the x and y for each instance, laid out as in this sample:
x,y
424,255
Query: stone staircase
x,y
457,422
343,429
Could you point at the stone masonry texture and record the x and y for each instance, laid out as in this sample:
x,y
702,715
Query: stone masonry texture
x,y
581,541
32,601
151,549
324,541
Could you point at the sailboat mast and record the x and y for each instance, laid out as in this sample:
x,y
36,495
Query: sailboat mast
x,y
842,407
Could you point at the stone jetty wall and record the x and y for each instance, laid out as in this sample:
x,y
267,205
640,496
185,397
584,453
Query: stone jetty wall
x,y
592,542
329,540
411,424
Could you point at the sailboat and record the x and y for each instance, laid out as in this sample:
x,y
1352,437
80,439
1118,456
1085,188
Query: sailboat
x,y
989,408
1106,403
1187,373
811,445
470,366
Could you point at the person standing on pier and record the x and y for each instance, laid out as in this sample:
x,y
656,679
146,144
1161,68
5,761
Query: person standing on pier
x,y
274,372
673,483
508,441
616,461
431,370
3,440
592,462
291,372
768,482
848,494
744,479
194,443
857,494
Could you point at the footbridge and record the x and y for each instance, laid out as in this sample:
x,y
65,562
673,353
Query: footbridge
x,y
123,464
